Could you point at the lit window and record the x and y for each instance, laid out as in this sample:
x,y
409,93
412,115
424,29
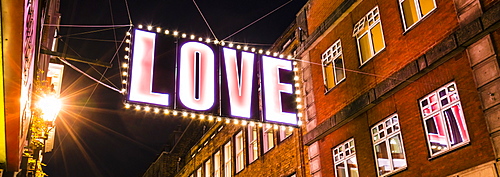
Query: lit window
x,y
369,35
285,132
444,120
208,169
268,138
217,165
333,66
199,172
388,146
240,160
253,148
414,10
227,160
344,157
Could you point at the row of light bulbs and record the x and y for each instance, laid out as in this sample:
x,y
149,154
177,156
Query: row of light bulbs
x,y
215,41
124,75
203,116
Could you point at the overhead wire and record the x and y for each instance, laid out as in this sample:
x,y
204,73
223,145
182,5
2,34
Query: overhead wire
x,y
204,19
257,20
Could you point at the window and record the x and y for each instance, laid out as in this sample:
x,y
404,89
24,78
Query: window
x,y
333,66
268,137
369,35
240,160
414,10
217,165
285,132
227,159
208,169
388,146
344,158
253,145
444,120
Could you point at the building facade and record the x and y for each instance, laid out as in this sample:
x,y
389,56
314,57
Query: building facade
x,y
401,88
23,74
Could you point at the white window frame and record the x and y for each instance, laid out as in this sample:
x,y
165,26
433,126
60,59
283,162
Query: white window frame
x,y
253,143
228,152
217,164
435,110
369,21
342,153
268,137
382,133
420,16
328,59
240,151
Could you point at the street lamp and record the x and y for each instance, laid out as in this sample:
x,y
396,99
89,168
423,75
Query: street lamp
x,y
50,106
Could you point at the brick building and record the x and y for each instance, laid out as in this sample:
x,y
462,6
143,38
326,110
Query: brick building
x,y
401,88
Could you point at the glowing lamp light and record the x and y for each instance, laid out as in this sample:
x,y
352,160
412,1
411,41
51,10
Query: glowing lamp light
x,y
298,99
184,114
267,52
228,121
127,106
127,49
295,69
216,41
202,116
210,118
158,29
126,57
238,46
245,48
125,65
296,78
219,119
275,54
207,40
128,34
299,123
123,90
140,26
147,108
137,107
294,63
200,39
222,43
124,81
167,32
127,40
183,35
176,33
157,110
165,111
297,92
290,57
191,37
231,44
124,73
175,113
150,28
253,49
50,106
193,115
281,56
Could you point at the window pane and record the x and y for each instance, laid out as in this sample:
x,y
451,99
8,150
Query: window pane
x,y
328,76
397,153
426,6
339,70
208,169
352,166
436,135
217,164
378,38
340,168
365,48
409,12
456,125
383,163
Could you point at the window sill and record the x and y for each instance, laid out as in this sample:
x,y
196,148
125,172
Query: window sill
x,y
395,171
440,154
330,90
371,58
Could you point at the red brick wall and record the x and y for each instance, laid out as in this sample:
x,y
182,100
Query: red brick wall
x,y
405,103
401,48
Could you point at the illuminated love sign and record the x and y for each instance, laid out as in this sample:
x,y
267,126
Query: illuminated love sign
x,y
206,78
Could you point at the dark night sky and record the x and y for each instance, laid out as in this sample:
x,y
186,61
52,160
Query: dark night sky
x,y
95,135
